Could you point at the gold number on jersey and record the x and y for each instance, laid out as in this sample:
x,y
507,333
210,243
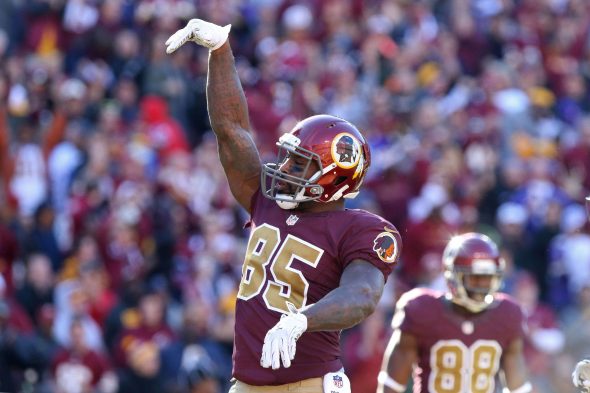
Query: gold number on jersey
x,y
262,244
288,284
456,368
446,364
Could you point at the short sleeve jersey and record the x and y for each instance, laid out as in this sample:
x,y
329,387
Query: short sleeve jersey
x,y
299,257
457,353
82,369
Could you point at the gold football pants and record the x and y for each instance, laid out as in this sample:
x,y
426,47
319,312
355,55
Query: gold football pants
x,y
312,385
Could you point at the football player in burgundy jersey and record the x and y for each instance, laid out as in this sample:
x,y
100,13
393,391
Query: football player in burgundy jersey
x,y
581,374
312,267
458,341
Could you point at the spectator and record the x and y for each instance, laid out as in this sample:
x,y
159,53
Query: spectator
x,y
38,288
195,355
42,236
569,258
148,330
544,336
79,369
72,305
143,369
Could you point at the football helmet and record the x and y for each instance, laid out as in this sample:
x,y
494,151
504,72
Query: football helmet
x,y
339,151
472,254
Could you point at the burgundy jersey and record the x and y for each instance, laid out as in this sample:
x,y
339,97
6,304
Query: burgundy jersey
x,y
457,353
299,257
77,373
161,336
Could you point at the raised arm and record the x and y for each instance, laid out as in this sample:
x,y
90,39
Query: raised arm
x,y
228,114
227,107
55,133
398,362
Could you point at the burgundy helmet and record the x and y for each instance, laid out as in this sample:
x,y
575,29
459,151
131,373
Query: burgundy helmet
x,y
340,152
477,254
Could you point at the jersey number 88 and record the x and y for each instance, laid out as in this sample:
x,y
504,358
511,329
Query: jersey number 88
x,y
457,368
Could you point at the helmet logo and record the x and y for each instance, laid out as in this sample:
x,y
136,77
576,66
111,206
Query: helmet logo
x,y
346,150
385,245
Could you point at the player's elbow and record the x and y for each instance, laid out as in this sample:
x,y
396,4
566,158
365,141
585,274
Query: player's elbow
x,y
368,299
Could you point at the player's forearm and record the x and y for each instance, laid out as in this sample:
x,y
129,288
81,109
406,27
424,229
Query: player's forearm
x,y
342,308
226,101
398,361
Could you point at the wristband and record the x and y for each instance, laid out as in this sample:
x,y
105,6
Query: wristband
x,y
525,388
392,384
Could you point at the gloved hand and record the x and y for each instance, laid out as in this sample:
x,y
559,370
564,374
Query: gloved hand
x,y
280,341
581,375
203,33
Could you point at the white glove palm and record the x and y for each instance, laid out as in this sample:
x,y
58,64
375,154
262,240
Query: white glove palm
x,y
581,375
203,33
280,341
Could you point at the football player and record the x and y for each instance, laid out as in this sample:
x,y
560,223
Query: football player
x,y
458,341
312,267
581,374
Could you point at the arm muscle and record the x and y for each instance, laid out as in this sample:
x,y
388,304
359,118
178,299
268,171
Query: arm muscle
x,y
228,114
357,296
399,359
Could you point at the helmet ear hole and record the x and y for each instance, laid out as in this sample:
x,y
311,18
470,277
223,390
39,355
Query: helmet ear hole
x,y
339,180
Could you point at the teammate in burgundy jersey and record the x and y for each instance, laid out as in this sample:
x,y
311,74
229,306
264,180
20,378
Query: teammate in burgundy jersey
x,y
312,267
458,341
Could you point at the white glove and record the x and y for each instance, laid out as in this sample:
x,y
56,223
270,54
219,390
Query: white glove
x,y
280,341
581,375
336,382
203,33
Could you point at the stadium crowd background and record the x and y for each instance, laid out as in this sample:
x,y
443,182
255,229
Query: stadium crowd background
x,y
120,244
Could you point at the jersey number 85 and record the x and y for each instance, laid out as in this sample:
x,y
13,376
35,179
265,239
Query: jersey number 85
x,y
287,284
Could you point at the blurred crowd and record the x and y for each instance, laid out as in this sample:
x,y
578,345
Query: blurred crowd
x,y
121,245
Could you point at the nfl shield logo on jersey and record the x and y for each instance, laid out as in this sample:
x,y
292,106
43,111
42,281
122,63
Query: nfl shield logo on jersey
x,y
292,220
338,381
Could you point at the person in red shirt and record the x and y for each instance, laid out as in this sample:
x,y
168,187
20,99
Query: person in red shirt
x,y
79,369
164,133
150,327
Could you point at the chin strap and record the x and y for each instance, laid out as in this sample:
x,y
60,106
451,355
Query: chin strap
x,y
293,203
287,205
